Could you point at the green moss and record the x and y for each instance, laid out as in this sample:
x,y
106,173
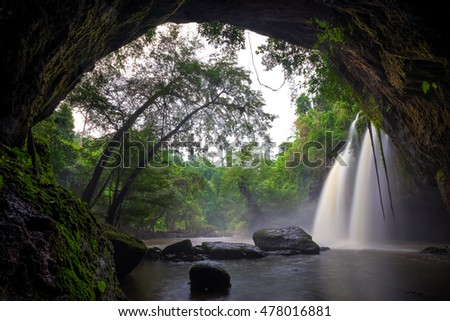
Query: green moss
x,y
82,252
114,234
260,234
373,112
101,285
1,181
440,176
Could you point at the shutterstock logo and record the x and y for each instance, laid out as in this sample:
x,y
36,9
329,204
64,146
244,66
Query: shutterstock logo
x,y
129,153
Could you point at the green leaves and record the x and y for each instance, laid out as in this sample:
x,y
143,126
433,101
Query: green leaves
x,y
330,33
426,86
101,286
225,36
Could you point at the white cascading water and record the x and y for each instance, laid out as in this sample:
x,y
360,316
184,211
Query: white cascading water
x,y
333,211
350,212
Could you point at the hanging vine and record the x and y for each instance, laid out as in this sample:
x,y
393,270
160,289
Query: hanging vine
x,y
383,159
369,127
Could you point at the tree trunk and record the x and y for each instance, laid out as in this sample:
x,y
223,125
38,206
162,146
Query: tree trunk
x,y
117,202
253,207
89,191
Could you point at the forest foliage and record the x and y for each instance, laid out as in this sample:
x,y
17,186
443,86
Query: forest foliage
x,y
210,168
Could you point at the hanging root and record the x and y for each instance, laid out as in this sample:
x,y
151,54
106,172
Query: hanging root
x,y
383,159
369,127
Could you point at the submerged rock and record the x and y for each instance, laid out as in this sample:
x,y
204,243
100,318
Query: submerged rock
x,y
436,250
208,278
292,240
230,251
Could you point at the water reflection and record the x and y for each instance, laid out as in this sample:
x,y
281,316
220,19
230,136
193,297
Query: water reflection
x,y
332,275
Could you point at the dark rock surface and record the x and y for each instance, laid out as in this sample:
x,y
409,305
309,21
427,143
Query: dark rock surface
x,y
128,250
182,251
436,250
184,246
52,248
208,278
291,240
153,253
231,251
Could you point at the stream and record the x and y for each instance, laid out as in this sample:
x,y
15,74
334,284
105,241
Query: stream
x,y
337,274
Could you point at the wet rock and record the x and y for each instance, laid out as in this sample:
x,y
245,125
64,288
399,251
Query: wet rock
x,y
182,251
184,246
292,239
208,278
285,252
128,250
153,253
42,258
324,248
198,249
230,251
436,250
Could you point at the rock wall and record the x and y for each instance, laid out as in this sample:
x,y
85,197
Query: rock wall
x,y
52,248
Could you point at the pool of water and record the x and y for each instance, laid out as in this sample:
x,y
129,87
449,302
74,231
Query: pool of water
x,y
338,274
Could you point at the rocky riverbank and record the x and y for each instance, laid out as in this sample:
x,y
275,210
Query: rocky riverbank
x,y
280,241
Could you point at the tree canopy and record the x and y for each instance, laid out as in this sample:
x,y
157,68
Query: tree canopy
x,y
180,134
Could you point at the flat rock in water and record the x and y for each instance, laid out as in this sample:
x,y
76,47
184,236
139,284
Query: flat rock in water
x,y
436,250
293,239
231,251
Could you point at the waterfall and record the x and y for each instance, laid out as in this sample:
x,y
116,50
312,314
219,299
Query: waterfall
x,y
349,212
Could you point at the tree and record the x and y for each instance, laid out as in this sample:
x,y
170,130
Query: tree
x,y
176,95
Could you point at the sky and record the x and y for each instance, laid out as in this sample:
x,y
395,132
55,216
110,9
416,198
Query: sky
x,y
277,102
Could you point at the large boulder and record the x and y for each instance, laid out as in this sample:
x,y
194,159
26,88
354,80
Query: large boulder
x,y
184,246
182,251
230,251
292,239
208,278
128,250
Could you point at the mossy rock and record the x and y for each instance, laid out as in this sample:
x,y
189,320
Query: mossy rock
x,y
128,250
52,246
292,238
